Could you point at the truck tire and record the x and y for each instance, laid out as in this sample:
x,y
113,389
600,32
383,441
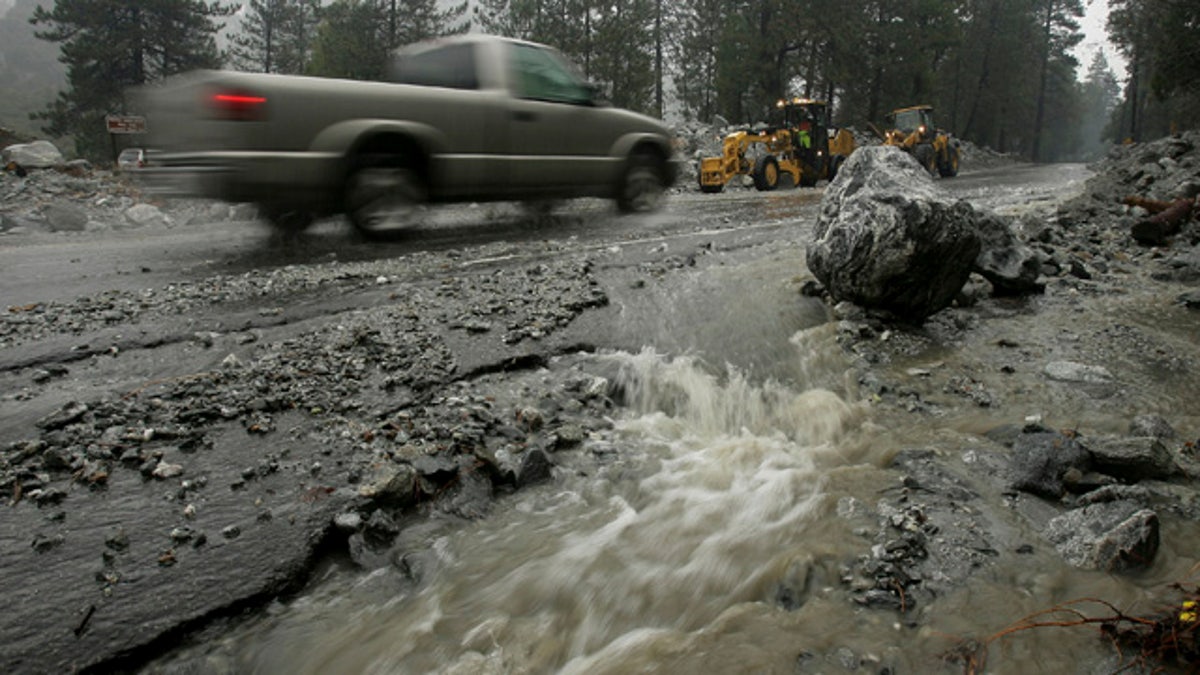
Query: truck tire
x,y
949,168
809,178
382,197
835,165
643,185
766,173
926,156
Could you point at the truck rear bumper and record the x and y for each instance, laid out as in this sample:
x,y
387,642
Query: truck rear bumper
x,y
300,179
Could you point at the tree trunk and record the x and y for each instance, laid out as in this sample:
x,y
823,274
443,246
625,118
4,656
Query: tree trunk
x,y
985,70
658,58
1040,118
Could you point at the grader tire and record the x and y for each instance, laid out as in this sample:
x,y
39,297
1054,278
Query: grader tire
x,y
766,173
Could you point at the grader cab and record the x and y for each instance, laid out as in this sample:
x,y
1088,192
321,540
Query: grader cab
x,y
799,143
912,129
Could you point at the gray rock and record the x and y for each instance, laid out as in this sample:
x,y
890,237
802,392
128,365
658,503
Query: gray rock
x,y
1151,425
1011,266
1040,461
1132,459
535,468
69,414
146,215
394,483
348,522
62,217
1069,371
237,212
1113,493
35,155
1110,536
886,238
380,529
78,167
166,470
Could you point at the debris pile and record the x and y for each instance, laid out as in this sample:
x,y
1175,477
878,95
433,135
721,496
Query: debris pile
x,y
1148,190
1097,499
40,192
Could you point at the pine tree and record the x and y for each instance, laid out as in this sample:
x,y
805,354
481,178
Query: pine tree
x,y
351,41
1059,22
354,37
275,36
415,20
626,62
109,46
698,26
256,47
1099,97
1160,40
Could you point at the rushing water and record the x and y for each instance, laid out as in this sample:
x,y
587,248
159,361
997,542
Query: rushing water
x,y
745,461
669,557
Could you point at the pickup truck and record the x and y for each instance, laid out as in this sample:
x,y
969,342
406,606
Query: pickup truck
x,y
467,118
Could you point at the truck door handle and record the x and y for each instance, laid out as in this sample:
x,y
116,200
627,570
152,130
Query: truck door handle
x,y
524,116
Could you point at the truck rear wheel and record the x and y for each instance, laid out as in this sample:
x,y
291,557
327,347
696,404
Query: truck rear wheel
x,y
383,197
643,185
766,173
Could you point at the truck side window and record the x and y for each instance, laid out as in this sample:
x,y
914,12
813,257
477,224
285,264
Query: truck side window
x,y
540,75
452,66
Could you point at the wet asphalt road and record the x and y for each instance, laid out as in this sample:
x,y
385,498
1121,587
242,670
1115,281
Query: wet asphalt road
x,y
46,267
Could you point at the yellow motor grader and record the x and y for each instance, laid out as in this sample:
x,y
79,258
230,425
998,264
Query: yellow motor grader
x,y
912,129
801,144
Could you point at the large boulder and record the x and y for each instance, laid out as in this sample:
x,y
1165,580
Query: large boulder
x,y
886,238
1042,461
1108,536
146,215
1008,263
1132,459
65,217
35,155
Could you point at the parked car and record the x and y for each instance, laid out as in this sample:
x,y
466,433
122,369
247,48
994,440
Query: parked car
x,y
467,118
131,159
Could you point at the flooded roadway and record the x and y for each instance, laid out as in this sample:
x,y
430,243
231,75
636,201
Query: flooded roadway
x,y
734,474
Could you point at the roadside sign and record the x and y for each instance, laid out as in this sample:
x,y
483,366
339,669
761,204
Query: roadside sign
x,y
125,124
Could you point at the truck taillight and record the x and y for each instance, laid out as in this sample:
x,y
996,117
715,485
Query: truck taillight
x,y
238,106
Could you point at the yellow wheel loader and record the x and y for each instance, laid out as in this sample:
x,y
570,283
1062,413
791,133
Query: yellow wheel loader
x,y
913,130
800,144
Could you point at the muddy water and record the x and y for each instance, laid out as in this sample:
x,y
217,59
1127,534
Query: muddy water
x,y
745,463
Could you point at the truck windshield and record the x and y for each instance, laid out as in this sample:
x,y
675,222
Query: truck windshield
x,y
910,120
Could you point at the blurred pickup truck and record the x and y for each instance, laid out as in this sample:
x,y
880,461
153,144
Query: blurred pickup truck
x,y
467,118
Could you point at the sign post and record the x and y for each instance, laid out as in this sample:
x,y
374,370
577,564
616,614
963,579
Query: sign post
x,y
123,124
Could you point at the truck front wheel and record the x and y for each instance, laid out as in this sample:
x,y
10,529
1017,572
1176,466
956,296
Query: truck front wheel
x,y
766,173
949,167
927,157
383,197
643,185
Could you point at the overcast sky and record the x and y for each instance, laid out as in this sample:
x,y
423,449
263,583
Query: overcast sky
x,y
1095,38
